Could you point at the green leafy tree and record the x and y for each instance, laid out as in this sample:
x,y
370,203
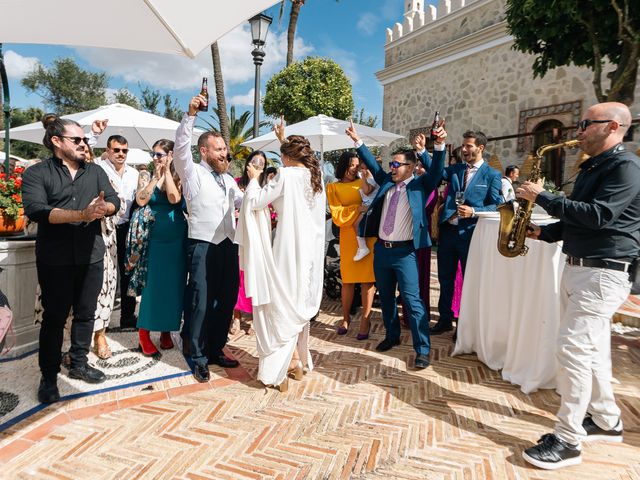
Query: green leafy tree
x,y
172,108
150,99
562,32
24,116
66,88
311,87
126,97
360,117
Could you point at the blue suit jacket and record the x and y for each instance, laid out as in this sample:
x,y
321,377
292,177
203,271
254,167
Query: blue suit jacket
x,y
483,193
418,191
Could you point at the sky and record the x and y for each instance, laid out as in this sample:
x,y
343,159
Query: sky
x,y
350,32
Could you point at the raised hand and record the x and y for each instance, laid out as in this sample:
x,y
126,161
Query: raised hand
x,y
278,129
253,171
440,133
351,132
99,126
194,104
419,142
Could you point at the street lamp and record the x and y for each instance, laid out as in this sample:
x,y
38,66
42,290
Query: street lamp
x,y
7,111
259,28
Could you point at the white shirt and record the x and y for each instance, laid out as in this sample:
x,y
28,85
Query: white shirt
x,y
214,219
507,189
473,169
126,185
403,224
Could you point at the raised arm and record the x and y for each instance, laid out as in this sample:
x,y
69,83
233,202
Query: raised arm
x,y
260,198
182,157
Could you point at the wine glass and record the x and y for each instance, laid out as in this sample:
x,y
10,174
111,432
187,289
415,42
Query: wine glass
x,y
459,198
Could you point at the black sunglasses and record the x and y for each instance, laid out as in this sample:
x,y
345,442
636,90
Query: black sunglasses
x,y
395,164
118,150
584,124
155,155
76,140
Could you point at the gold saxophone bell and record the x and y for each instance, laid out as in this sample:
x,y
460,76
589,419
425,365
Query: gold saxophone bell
x,y
514,221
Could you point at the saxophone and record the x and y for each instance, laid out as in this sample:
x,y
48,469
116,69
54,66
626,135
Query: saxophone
x,y
514,221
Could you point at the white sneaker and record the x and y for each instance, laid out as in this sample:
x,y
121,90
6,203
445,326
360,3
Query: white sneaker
x,y
361,253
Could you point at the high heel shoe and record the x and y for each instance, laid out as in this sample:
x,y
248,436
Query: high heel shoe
x,y
100,345
146,345
364,336
296,372
343,330
166,343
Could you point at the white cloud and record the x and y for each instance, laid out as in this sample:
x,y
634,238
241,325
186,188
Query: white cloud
x,y
348,60
180,73
242,100
18,66
368,23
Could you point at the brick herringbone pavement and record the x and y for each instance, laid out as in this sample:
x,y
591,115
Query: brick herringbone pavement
x,y
359,414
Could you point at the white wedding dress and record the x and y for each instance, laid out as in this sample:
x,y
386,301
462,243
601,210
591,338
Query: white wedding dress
x,y
283,278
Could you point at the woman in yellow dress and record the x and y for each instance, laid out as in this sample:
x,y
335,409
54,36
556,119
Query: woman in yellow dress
x,y
346,206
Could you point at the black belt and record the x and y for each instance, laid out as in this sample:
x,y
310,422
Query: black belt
x,y
389,244
599,263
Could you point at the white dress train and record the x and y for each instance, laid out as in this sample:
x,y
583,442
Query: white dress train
x,y
283,278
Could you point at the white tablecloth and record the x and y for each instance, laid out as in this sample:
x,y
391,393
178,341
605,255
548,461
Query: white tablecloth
x,y
510,309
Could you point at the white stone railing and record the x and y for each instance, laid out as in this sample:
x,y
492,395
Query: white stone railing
x,y
420,19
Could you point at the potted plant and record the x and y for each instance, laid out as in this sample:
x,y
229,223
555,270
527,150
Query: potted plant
x,y
11,211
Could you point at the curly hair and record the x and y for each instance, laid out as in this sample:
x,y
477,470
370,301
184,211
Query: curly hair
x,y
298,149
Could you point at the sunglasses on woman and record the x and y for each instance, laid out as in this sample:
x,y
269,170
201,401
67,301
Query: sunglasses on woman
x,y
157,155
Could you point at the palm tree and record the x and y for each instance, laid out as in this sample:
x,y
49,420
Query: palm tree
x,y
240,129
296,5
220,100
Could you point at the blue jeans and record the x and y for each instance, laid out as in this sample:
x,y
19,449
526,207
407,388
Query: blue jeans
x,y
398,267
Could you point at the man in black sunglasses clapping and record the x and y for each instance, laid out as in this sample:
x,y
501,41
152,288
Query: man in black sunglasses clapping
x,y
67,197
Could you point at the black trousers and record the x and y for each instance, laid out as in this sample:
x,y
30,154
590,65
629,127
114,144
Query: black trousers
x,y
63,287
211,294
127,303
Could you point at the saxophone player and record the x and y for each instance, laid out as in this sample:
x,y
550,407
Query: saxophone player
x,y
600,229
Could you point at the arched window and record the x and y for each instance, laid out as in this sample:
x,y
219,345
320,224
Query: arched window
x,y
552,166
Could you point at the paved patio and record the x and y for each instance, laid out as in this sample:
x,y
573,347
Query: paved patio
x,y
359,414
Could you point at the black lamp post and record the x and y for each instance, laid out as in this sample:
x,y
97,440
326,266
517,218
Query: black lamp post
x,y
259,28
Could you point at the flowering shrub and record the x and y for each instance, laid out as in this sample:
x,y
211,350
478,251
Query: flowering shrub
x,y
11,194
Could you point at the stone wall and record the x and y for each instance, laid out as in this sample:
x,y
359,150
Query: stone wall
x,y
492,90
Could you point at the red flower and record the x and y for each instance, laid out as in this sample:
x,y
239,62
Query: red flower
x,y
3,176
18,170
18,182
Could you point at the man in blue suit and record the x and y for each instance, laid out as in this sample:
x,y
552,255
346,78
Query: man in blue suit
x,y
473,187
397,217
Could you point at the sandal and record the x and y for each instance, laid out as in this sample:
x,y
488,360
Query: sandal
x,y
100,345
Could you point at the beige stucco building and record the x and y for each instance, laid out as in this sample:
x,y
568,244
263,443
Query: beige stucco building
x,y
457,58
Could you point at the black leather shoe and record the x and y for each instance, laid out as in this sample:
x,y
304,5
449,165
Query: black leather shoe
x,y
387,344
422,362
48,391
201,373
223,361
88,374
439,328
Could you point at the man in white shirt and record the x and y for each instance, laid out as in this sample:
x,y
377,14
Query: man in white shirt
x,y
511,175
212,196
125,180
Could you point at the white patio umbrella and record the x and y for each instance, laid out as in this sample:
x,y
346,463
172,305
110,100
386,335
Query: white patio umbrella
x,y
141,129
162,26
325,134
137,156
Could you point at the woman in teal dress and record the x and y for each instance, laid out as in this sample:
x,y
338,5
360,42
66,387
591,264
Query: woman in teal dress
x,y
162,297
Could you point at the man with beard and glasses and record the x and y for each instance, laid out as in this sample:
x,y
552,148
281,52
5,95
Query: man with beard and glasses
x,y
212,196
125,179
67,197
600,230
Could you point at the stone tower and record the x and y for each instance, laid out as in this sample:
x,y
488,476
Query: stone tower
x,y
413,6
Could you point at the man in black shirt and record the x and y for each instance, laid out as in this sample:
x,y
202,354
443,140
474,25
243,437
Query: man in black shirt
x,y
67,197
600,229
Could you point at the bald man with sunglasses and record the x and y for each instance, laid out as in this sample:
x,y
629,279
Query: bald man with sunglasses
x,y
397,216
600,230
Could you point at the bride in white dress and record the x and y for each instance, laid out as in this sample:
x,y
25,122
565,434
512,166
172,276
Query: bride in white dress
x,y
284,277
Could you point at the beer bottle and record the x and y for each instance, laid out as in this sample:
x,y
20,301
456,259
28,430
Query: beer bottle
x,y
434,126
205,93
